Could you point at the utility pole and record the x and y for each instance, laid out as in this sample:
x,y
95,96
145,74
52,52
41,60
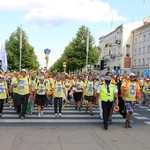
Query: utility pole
x,y
87,50
20,48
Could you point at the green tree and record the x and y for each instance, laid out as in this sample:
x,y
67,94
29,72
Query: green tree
x,y
29,58
75,52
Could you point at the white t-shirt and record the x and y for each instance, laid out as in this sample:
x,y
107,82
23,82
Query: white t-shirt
x,y
99,89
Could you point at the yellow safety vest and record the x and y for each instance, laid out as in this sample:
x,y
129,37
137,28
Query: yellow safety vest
x,y
104,95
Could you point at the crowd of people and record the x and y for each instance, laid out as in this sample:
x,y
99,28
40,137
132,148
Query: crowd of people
x,y
27,89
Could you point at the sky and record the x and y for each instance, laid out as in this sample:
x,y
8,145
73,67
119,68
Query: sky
x,y
54,23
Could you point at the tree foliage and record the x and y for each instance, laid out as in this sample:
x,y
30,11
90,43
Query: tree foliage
x,y
28,57
75,52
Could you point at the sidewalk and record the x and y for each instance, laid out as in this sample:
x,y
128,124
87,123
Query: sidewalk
x,y
74,137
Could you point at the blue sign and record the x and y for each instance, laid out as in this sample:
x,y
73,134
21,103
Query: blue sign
x,y
119,72
146,72
47,51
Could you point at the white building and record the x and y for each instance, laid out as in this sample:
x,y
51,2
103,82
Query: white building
x,y
116,48
141,48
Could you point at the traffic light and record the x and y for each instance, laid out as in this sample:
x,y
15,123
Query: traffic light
x,y
103,64
95,67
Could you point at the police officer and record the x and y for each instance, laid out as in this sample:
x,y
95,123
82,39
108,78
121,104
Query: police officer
x,y
107,92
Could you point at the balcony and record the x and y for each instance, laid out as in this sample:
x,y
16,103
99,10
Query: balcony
x,y
118,41
112,56
108,45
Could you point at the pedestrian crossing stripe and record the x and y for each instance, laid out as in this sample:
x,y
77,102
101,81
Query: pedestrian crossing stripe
x,y
145,107
56,121
141,118
147,122
148,109
48,116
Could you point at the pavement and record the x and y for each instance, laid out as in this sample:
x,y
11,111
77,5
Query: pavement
x,y
74,137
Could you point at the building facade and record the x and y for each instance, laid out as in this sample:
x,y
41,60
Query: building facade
x,y
116,49
141,49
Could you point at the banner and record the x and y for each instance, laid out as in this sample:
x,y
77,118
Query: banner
x,y
3,58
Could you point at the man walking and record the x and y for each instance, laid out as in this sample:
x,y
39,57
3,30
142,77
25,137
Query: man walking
x,y
107,92
130,91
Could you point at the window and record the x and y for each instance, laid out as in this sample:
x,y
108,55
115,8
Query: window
x,y
144,38
140,39
143,50
148,36
139,62
143,61
139,51
134,62
148,51
135,40
148,61
135,52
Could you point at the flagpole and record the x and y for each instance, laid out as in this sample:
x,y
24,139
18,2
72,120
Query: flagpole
x,y
20,48
87,50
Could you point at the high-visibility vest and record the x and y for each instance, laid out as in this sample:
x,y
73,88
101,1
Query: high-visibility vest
x,y
104,95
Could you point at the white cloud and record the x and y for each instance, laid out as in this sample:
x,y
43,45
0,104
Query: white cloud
x,y
52,12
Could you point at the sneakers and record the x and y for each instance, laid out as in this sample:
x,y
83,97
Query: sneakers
x,y
22,117
127,124
57,115
39,115
105,127
110,121
100,117
91,113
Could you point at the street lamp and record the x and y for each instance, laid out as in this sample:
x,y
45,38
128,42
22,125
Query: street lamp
x,y
47,52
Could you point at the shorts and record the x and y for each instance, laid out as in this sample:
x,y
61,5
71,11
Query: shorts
x,y
130,106
40,100
77,96
89,98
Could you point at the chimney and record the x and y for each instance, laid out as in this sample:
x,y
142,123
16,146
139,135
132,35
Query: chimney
x,y
146,20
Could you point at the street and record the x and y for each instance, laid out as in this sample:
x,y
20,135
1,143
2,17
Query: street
x,y
77,133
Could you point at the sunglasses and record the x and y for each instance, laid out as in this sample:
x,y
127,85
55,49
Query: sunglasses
x,y
132,76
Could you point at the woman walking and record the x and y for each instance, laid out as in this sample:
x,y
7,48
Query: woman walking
x,y
3,93
41,91
58,90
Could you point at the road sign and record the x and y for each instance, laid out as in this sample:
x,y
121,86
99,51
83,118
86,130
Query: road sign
x,y
146,72
47,51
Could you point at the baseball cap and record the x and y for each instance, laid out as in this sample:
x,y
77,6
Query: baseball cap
x,y
23,70
41,78
132,74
